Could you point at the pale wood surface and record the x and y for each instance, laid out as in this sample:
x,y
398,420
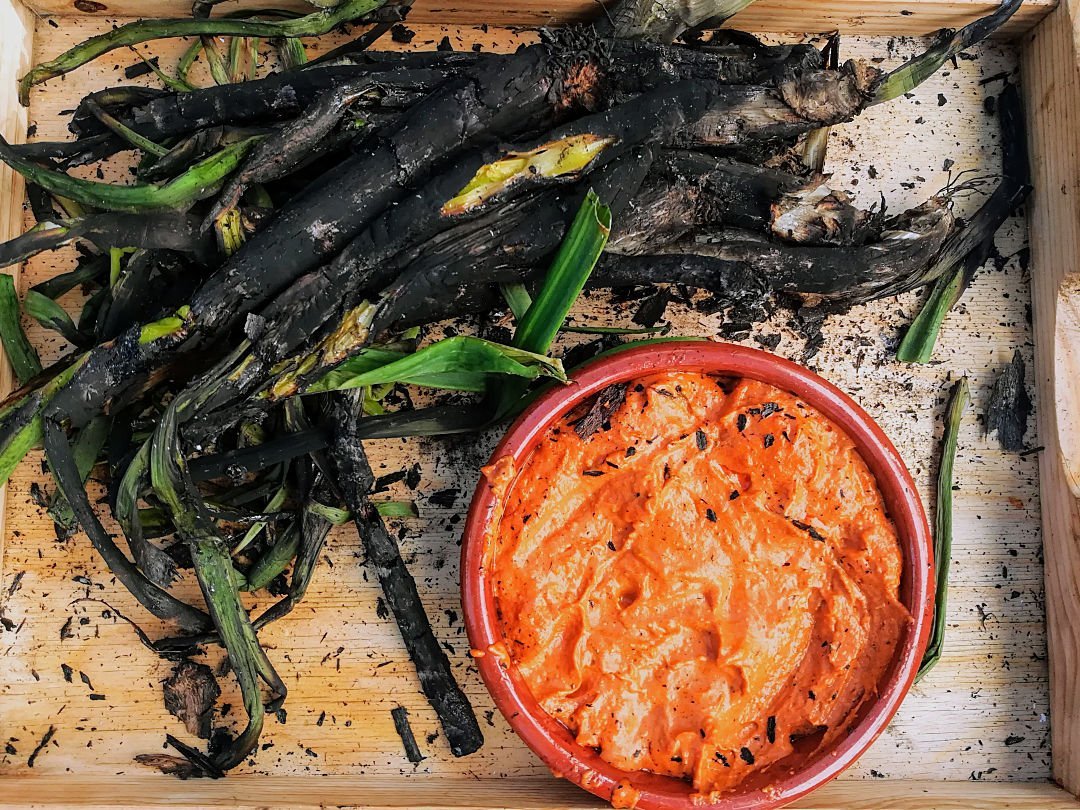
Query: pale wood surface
x,y
1051,68
16,50
981,715
530,793
910,17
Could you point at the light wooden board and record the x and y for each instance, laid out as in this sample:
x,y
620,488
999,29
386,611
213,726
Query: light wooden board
x,y
1052,83
982,714
142,792
913,17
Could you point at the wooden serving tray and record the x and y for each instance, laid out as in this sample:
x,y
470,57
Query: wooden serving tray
x,y
990,727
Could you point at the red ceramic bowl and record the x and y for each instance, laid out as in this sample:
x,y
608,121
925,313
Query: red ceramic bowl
x,y
800,773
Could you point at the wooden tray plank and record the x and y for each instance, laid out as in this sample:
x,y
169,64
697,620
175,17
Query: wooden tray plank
x,y
972,696
910,17
300,793
18,26
1051,70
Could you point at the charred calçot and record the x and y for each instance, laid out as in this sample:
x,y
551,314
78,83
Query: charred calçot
x,y
292,229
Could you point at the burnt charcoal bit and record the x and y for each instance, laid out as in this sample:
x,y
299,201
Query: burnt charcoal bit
x,y
404,730
444,45
604,405
169,765
402,34
279,585
140,69
770,341
587,351
444,497
1010,406
190,693
383,482
652,309
810,530
45,740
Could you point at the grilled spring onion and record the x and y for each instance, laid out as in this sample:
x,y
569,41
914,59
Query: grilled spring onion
x,y
916,70
958,401
575,260
315,24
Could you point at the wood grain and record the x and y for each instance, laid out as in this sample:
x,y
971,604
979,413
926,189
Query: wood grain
x,y
1051,70
901,17
300,793
981,715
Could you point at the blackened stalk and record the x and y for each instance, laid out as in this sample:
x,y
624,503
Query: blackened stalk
x,y
104,231
666,20
355,479
839,275
277,97
742,267
418,235
511,97
281,153
406,77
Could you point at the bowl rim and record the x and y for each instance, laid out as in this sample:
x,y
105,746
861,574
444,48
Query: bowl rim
x,y
548,738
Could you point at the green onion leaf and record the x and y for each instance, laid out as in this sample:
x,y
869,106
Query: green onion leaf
x,y
256,528
943,524
24,360
51,315
517,298
459,363
331,514
313,25
275,560
918,69
571,268
397,509
199,181
17,443
123,131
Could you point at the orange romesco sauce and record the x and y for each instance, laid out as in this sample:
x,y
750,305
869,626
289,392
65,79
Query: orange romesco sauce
x,y
703,582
